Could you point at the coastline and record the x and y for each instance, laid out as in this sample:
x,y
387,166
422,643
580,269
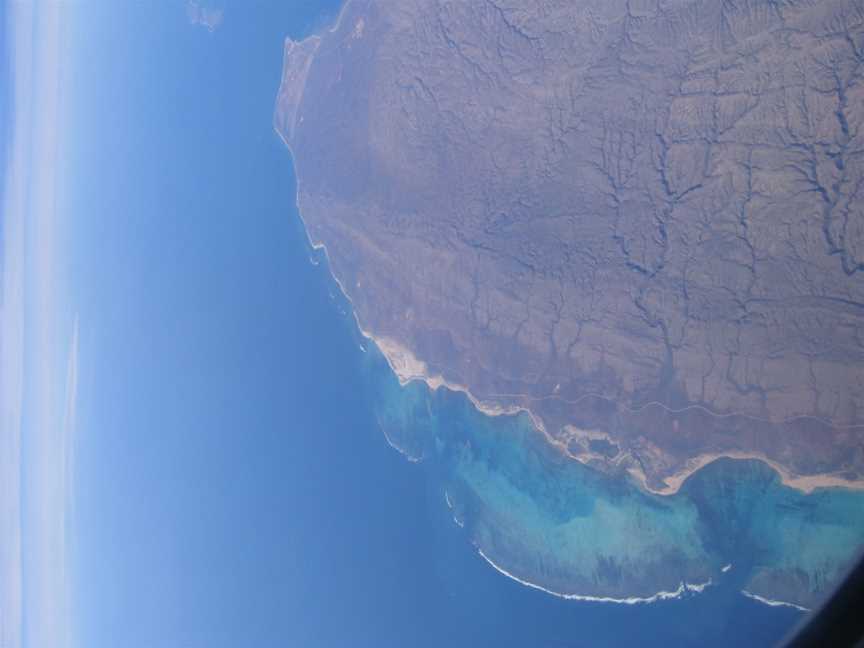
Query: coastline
x,y
408,368
803,483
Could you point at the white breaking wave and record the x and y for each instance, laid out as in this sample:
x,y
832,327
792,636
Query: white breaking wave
x,y
398,449
772,602
458,522
698,587
632,600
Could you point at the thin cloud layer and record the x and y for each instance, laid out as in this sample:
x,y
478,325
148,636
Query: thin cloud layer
x,y
34,444
210,18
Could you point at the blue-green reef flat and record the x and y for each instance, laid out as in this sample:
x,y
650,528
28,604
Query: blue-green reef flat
x,y
558,525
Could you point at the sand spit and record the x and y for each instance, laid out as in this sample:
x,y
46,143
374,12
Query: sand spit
x,y
804,483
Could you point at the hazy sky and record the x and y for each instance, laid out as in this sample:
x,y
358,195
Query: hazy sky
x,y
149,304
39,350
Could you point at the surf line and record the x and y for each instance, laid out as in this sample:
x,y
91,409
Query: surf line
x,y
772,602
633,600
450,506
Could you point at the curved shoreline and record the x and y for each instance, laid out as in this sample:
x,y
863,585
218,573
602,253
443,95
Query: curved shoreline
x,y
803,483
408,368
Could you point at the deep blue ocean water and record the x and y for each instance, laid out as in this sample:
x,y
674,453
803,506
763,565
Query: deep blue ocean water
x,y
235,487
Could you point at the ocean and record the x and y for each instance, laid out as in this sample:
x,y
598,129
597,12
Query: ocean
x,y
236,485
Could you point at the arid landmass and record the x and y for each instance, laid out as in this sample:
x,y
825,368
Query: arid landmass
x,y
640,221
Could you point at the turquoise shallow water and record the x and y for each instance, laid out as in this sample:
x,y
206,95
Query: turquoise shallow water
x,y
572,530
253,501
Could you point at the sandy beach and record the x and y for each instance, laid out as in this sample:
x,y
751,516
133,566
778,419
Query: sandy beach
x,y
408,368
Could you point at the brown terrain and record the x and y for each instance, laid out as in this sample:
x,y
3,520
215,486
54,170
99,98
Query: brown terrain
x,y
641,221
